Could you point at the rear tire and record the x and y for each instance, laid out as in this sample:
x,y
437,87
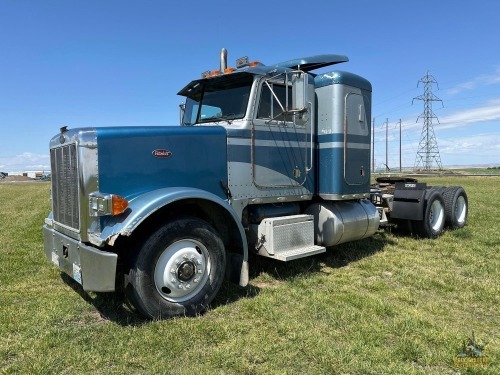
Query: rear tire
x,y
178,270
456,206
434,216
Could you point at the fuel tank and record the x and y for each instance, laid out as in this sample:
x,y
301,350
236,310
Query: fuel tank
x,y
343,221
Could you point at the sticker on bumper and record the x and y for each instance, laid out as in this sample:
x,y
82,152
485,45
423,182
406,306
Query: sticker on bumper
x,y
77,274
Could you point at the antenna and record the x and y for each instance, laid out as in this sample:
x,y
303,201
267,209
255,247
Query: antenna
x,y
428,149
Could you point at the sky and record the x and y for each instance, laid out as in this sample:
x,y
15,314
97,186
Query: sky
x,y
100,63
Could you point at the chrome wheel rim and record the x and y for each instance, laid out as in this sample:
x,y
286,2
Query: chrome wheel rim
x,y
181,270
460,209
436,217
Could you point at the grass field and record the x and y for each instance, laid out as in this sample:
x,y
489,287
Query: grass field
x,y
384,305
482,171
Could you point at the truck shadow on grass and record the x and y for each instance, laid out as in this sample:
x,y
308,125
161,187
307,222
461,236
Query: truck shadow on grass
x,y
111,306
276,271
114,307
335,257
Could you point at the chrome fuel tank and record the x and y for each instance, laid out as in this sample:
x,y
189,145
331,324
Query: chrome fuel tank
x,y
343,221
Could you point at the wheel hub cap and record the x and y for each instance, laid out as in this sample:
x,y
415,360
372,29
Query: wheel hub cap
x,y
186,271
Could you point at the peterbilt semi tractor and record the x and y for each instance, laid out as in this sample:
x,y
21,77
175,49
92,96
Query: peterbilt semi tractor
x,y
269,159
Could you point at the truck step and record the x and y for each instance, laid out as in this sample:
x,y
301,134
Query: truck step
x,y
285,256
287,237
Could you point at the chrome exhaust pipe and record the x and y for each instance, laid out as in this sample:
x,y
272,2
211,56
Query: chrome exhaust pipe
x,y
223,60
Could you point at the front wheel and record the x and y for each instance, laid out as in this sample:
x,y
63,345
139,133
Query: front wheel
x,y
178,270
434,217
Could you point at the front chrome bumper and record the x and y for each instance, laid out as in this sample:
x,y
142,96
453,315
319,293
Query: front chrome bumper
x,y
94,269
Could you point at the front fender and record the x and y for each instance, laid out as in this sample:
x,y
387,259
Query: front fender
x,y
143,206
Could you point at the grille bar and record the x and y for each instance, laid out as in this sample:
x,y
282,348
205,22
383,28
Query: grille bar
x,y
65,202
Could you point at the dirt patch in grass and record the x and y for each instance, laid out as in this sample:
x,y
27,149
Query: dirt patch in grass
x,y
16,179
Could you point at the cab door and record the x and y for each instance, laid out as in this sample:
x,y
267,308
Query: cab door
x,y
279,147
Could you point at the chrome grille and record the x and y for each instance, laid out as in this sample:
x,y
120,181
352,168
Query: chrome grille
x,y
65,200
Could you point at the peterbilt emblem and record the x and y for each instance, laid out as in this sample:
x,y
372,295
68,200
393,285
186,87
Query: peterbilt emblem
x,y
162,154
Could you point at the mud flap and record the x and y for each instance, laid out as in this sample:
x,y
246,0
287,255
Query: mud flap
x,y
237,269
409,199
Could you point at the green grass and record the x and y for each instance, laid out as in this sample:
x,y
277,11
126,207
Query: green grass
x,y
483,171
385,305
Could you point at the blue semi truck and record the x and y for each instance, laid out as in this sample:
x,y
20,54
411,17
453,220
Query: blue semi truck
x,y
269,159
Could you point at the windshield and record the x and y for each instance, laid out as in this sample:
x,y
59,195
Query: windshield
x,y
218,101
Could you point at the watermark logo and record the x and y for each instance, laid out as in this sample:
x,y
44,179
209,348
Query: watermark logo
x,y
471,355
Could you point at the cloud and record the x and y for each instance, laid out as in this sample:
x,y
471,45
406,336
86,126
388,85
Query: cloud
x,y
455,148
26,161
483,79
489,111
479,149
478,143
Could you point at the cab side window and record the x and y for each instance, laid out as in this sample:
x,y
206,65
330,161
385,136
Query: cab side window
x,y
269,108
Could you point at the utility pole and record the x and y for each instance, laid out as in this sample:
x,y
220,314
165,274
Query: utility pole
x,y
428,148
400,164
386,144
373,145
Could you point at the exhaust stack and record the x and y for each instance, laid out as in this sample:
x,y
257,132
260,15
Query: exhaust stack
x,y
223,60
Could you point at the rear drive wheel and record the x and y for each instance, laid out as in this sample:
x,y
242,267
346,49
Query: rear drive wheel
x,y
178,270
456,206
433,223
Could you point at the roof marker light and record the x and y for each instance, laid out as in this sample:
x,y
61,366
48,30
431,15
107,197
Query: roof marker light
x,y
241,62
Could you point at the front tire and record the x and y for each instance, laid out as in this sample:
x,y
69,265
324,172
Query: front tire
x,y
434,217
178,270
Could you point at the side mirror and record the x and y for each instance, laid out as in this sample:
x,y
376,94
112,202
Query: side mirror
x,y
299,91
182,110
300,97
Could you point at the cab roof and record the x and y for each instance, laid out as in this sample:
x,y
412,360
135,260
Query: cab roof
x,y
312,62
305,64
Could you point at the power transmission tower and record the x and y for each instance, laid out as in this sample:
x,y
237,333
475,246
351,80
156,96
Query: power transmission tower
x,y
428,149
